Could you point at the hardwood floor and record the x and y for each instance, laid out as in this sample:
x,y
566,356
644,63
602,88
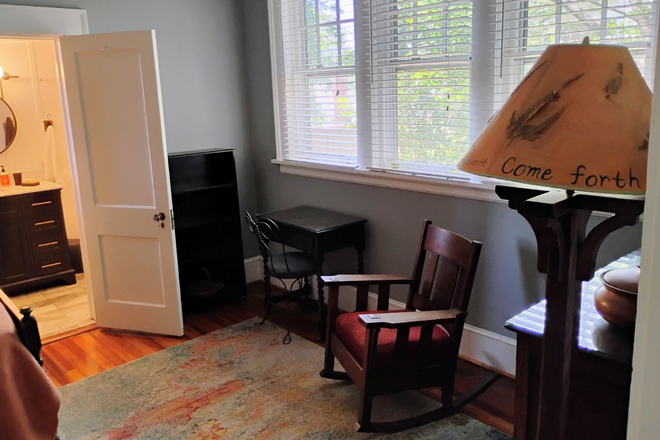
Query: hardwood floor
x,y
77,357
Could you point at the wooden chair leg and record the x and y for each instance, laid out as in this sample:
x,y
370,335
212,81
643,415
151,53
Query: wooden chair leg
x,y
328,363
328,371
448,395
364,413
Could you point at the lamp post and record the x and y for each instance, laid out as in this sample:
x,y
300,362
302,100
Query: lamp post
x,y
578,121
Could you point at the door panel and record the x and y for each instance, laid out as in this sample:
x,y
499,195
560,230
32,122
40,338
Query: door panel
x,y
110,148
113,96
119,287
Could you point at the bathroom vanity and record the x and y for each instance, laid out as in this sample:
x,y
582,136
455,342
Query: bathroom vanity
x,y
33,242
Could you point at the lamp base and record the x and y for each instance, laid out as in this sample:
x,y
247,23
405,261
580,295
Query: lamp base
x,y
567,255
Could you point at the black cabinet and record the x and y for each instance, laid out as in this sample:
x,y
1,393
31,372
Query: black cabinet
x,y
33,242
207,223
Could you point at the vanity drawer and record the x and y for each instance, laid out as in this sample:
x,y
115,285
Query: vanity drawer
x,y
41,203
44,222
46,246
50,265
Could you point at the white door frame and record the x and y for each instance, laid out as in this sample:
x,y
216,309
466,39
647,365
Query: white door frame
x,y
31,22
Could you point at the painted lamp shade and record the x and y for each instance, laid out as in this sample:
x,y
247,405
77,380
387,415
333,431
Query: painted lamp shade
x,y
580,120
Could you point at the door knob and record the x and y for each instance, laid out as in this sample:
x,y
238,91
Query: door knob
x,y
159,217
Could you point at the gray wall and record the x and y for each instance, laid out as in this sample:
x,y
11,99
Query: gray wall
x,y
200,48
507,280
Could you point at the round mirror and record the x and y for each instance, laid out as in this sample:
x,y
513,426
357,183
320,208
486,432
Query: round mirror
x,y
7,126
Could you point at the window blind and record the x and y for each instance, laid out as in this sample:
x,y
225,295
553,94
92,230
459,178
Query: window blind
x,y
318,119
420,84
525,28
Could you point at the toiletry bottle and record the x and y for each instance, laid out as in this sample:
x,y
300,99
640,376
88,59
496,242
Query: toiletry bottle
x,y
4,176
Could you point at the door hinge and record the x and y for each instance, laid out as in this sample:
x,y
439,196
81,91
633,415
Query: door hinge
x,y
172,218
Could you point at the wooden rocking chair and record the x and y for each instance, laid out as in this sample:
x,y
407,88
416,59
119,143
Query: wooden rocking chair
x,y
389,351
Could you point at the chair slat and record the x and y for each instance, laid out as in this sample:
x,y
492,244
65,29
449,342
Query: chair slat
x,y
428,278
444,288
401,346
424,347
362,299
383,297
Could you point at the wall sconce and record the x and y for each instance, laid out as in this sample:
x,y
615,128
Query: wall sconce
x,y
5,75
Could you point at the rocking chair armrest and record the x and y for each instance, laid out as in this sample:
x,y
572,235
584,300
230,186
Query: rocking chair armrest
x,y
358,280
409,319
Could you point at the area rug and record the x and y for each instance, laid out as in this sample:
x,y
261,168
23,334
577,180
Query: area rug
x,y
237,383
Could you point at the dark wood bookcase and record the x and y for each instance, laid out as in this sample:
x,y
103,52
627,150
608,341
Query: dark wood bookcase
x,y
207,223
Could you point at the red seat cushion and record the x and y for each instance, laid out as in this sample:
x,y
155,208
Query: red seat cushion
x,y
352,334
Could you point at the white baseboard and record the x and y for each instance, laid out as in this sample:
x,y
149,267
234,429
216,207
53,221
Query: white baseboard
x,y
478,345
254,270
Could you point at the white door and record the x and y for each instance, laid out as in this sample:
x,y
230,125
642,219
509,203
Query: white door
x,y
113,97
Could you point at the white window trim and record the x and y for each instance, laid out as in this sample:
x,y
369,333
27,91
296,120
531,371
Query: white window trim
x,y
455,188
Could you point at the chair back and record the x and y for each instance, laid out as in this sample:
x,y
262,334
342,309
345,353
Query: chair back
x,y
264,231
444,270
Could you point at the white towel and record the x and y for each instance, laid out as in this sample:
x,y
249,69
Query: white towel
x,y
49,156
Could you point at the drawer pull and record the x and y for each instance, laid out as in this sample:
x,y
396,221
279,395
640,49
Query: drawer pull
x,y
42,203
52,243
50,265
49,222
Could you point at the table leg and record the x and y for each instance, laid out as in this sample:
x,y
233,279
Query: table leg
x,y
322,308
267,302
359,247
360,257
307,289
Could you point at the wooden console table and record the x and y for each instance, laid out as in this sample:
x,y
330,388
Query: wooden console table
x,y
318,231
601,374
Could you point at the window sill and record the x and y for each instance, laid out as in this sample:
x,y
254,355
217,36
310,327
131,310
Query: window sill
x,y
406,182
453,188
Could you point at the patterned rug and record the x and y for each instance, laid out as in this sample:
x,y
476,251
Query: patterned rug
x,y
237,383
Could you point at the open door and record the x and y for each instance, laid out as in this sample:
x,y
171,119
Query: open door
x,y
114,102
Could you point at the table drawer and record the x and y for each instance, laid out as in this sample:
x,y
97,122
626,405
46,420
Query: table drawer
x,y
46,202
295,239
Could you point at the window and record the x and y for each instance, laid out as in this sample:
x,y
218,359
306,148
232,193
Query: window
x,y
318,112
404,85
526,28
420,89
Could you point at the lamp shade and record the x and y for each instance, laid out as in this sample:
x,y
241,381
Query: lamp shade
x,y
579,120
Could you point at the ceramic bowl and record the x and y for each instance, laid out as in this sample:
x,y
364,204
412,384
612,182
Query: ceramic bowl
x,y
616,299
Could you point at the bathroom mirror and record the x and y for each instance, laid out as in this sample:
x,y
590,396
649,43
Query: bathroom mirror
x,y
7,126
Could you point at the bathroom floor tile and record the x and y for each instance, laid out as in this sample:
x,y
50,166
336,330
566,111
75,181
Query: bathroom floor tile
x,y
58,309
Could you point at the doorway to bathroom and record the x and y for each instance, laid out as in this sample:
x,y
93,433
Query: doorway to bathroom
x,y
113,116
42,256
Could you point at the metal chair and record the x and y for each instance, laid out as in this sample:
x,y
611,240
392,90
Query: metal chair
x,y
287,265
